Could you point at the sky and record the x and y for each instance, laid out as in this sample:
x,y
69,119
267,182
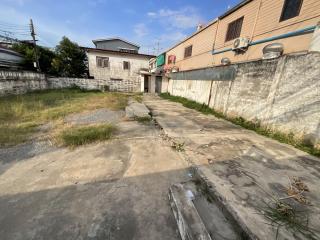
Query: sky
x,y
152,24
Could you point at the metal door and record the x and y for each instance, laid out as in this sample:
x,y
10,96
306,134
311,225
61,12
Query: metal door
x,y
158,84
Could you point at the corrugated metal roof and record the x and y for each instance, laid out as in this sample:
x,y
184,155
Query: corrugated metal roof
x,y
112,39
10,51
118,52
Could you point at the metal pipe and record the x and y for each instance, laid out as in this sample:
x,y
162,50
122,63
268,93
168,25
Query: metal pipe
x,y
286,35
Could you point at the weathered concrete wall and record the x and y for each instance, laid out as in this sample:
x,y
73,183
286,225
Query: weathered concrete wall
x,y
84,83
19,82
282,93
315,43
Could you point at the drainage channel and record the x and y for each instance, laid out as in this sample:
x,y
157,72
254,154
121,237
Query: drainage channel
x,y
199,216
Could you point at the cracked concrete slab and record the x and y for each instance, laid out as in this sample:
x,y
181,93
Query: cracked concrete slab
x,y
135,109
98,116
111,190
244,170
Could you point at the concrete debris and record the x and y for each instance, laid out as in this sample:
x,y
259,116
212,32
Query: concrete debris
x,y
137,110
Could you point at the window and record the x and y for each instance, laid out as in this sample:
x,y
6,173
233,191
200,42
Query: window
x,y
105,62
188,52
126,65
234,29
171,59
291,9
99,61
102,62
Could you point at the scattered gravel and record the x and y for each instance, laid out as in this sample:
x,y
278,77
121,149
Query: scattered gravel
x,y
25,151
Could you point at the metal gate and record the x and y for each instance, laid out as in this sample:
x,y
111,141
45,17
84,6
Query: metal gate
x,y
158,84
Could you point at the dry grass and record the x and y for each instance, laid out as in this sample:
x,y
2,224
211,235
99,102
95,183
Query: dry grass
x,y
21,115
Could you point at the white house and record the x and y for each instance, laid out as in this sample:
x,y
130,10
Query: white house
x,y
118,62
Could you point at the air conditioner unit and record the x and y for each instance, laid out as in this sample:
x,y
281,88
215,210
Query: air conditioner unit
x,y
240,44
175,69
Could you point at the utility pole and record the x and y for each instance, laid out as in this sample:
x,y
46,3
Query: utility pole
x,y
158,47
33,34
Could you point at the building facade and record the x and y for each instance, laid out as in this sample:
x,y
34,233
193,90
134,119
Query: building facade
x,y
118,62
256,23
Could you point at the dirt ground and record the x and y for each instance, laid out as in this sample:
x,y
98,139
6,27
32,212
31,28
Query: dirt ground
x,y
111,190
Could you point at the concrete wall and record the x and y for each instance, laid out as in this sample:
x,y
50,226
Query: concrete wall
x,y
84,83
261,21
126,80
283,93
20,82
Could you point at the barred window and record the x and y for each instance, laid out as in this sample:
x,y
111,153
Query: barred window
x,y
234,29
102,62
188,52
99,61
105,62
291,9
126,65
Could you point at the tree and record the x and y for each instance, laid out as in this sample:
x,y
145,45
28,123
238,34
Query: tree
x,y
45,56
70,60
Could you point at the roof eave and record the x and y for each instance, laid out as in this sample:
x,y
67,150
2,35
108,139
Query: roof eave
x,y
117,52
235,8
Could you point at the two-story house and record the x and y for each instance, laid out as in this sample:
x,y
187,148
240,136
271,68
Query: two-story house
x,y
119,63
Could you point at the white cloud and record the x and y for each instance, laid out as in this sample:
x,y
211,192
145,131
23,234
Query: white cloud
x,y
183,18
152,14
175,36
140,30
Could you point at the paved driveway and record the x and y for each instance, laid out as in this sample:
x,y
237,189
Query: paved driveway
x,y
112,190
246,171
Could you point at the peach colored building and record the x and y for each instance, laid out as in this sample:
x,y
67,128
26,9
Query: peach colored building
x,y
260,22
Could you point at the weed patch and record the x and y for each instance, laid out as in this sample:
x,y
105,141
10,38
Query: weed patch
x,y
251,125
143,120
77,136
179,147
21,115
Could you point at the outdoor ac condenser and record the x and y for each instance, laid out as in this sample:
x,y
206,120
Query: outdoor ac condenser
x,y
240,44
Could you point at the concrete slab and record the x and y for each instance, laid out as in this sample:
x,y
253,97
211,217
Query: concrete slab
x,y
112,190
198,215
244,170
135,109
189,222
97,116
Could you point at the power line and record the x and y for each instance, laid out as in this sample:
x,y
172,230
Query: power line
x,y
13,24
